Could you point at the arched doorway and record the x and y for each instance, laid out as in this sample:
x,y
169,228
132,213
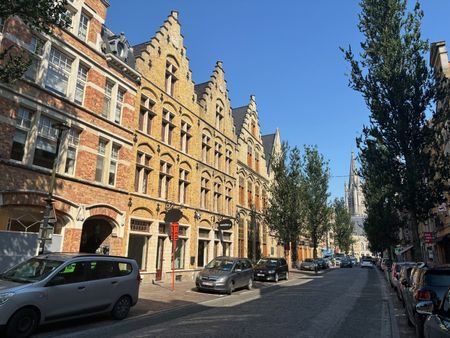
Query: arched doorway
x,y
95,232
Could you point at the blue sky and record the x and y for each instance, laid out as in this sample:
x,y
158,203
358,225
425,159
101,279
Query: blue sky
x,y
286,53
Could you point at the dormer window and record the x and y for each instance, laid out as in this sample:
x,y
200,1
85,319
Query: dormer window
x,y
170,77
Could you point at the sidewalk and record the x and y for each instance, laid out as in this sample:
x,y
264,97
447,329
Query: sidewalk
x,y
156,297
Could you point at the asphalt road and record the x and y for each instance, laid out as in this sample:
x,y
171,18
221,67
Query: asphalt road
x,y
342,303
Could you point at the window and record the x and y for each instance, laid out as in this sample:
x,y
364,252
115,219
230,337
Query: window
x,y
164,179
180,253
73,273
185,136
228,201
23,126
217,197
204,193
107,99
81,83
170,77
119,105
228,161
249,194
100,160
241,191
249,155
142,174
45,151
146,115
83,26
205,148
217,155
183,186
58,72
257,162
167,127
264,200
253,128
73,140
36,49
219,116
113,165
257,205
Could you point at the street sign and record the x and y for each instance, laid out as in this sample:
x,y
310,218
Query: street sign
x,y
225,224
428,236
173,215
174,231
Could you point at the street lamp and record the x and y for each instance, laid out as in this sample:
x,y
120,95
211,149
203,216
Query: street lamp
x,y
45,228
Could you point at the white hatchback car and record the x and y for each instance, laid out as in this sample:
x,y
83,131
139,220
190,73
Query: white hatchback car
x,y
59,286
366,263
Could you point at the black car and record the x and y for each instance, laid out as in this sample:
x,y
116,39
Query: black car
x,y
427,284
271,268
321,263
346,263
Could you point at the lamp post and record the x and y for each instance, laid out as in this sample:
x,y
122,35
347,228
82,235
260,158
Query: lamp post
x,y
61,128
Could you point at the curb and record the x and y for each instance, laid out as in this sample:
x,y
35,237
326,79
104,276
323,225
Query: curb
x,y
394,330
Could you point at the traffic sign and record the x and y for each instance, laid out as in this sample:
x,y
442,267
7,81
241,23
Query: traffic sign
x,y
225,224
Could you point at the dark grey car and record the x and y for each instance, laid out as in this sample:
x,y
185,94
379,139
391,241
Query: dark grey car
x,y
437,325
225,274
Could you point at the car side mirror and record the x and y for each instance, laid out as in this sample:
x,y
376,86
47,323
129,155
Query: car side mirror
x,y
425,307
57,280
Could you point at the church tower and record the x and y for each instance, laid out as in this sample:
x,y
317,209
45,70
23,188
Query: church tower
x,y
354,197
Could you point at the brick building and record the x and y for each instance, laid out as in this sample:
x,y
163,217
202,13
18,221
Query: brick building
x,y
84,77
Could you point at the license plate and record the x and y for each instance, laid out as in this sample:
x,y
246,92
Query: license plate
x,y
207,283
260,274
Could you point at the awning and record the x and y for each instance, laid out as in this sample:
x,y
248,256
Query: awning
x,y
405,249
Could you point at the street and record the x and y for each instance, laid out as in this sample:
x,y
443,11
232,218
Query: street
x,y
340,303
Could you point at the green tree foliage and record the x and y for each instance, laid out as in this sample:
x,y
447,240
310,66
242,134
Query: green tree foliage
x,y
342,226
398,88
314,192
283,213
39,15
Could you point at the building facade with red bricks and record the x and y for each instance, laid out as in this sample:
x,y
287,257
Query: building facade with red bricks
x,y
83,77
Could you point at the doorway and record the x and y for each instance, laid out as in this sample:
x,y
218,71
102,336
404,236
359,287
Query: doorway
x,y
95,232
159,258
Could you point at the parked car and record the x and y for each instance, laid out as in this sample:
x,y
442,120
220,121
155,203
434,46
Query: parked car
x,y
59,286
308,264
366,263
225,274
321,263
427,284
404,280
270,268
437,324
346,263
395,273
353,260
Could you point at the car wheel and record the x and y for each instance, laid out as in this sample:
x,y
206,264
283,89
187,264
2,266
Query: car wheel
x,y
121,308
276,278
22,323
250,284
287,276
230,287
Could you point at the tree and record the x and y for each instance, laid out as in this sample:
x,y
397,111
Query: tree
x,y
283,213
314,192
39,15
398,88
342,226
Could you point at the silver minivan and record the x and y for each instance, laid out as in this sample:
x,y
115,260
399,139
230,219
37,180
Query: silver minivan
x,y
59,286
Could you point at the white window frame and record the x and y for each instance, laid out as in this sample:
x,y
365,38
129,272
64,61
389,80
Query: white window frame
x,y
83,26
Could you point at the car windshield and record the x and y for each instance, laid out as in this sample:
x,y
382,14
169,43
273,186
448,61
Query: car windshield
x,y
438,279
30,271
267,262
220,264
